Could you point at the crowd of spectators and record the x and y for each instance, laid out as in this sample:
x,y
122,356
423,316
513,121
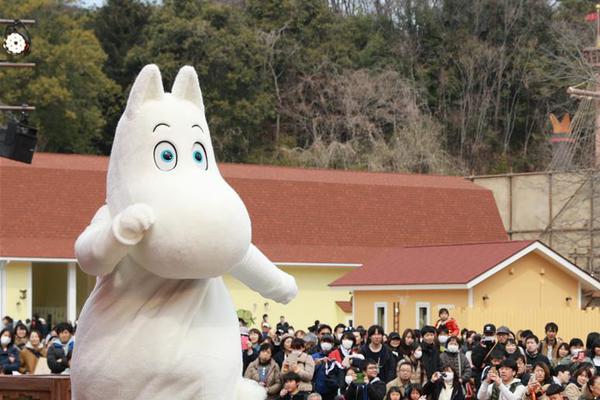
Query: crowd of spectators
x,y
438,362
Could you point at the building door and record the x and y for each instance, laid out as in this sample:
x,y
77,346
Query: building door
x,y
49,287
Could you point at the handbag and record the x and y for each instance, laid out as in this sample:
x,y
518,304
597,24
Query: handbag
x,y
41,368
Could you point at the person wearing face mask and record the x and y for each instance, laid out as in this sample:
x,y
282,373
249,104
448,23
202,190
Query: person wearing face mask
x,y
265,371
9,353
300,363
338,331
404,371
328,372
419,375
347,354
578,355
444,385
442,337
482,350
431,353
457,360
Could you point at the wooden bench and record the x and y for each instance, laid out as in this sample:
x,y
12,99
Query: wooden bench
x,y
35,387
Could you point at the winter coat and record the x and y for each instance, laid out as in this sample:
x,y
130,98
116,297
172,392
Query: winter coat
x,y
451,324
384,358
58,362
21,342
306,370
375,390
533,359
329,374
434,389
451,359
272,383
430,359
543,348
30,356
397,382
6,365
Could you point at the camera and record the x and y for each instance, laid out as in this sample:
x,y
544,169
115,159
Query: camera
x,y
444,375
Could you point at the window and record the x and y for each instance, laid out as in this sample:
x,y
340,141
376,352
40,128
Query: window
x,y
381,315
423,315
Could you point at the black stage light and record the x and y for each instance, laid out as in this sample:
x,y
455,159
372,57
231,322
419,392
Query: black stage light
x,y
18,141
16,39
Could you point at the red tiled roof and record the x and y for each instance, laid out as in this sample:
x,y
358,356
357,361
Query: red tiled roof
x,y
298,215
345,306
425,265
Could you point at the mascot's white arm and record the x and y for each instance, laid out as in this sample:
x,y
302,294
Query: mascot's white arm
x,y
262,276
107,240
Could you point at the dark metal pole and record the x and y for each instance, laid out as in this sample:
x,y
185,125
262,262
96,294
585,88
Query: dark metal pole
x,y
5,21
17,108
6,64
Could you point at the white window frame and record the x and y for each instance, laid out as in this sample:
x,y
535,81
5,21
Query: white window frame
x,y
377,306
418,306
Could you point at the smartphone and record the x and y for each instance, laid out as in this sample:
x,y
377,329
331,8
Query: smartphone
x,y
580,356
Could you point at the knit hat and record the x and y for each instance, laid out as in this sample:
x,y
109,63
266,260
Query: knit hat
x,y
427,329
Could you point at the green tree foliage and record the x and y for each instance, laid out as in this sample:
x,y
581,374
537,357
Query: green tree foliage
x,y
445,86
67,86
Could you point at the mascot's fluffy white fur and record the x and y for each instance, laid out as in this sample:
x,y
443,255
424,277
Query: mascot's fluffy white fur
x,y
160,323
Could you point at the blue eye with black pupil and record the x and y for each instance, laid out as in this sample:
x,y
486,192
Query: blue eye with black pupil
x,y
198,156
167,156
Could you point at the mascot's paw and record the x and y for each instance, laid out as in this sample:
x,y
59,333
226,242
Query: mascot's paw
x,y
130,225
286,292
250,390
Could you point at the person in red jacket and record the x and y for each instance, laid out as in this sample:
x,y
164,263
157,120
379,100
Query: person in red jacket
x,y
449,322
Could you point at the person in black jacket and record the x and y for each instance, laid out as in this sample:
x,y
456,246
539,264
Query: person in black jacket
x,y
445,381
431,352
375,350
482,350
372,386
532,354
61,350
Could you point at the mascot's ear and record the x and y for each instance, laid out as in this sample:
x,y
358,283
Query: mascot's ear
x,y
147,86
187,87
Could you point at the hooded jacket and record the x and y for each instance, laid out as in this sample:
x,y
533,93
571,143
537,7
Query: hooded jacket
x,y
58,361
30,356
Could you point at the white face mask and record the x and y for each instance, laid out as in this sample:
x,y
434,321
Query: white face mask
x,y
449,377
574,352
5,340
418,354
453,348
443,339
347,344
348,379
325,346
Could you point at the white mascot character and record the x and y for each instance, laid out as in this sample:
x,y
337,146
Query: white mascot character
x,y
160,323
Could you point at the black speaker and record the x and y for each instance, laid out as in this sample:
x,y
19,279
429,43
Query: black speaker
x,y
18,141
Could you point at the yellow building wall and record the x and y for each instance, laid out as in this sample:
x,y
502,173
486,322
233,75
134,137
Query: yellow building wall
x,y
523,282
364,307
18,278
315,299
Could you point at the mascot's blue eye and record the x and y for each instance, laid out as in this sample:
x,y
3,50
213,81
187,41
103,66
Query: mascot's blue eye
x,y
167,156
199,154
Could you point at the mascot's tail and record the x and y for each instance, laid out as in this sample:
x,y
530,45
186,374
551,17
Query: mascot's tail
x,y
250,390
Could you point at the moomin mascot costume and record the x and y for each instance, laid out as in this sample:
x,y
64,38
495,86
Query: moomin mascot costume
x,y
160,323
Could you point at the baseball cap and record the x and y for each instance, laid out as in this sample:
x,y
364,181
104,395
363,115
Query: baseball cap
x,y
394,336
489,329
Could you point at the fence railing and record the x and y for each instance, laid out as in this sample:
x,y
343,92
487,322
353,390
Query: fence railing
x,y
571,323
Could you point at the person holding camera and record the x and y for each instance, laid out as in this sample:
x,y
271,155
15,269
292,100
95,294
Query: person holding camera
x,y
502,385
370,387
480,356
444,385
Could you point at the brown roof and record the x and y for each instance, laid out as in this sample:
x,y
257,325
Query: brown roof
x,y
345,306
423,265
298,215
